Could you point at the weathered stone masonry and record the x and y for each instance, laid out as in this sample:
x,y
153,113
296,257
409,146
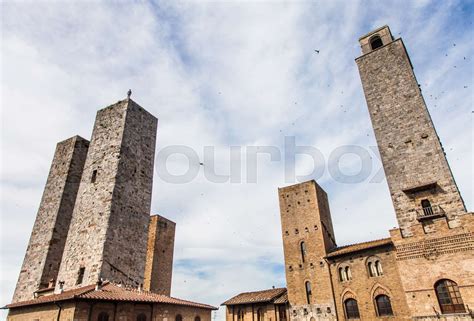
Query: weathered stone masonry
x,y
107,237
46,245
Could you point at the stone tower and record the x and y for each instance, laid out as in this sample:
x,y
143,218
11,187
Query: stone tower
x,y
159,258
307,237
108,232
418,175
45,248
435,241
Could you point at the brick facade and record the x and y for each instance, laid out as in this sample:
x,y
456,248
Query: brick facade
x,y
159,258
434,243
307,227
89,311
46,245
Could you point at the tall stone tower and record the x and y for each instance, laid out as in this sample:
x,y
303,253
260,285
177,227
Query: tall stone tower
x,y
108,233
307,237
159,258
45,248
419,178
435,241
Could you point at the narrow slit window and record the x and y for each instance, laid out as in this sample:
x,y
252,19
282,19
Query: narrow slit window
x,y
308,292
94,176
80,275
303,251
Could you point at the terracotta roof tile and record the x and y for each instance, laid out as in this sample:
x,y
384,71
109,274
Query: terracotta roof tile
x,y
110,292
256,297
282,299
359,247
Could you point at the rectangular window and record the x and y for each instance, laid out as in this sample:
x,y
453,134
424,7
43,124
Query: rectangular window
x,y
80,275
94,176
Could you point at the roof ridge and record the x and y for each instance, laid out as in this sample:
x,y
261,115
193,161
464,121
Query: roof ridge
x,y
364,242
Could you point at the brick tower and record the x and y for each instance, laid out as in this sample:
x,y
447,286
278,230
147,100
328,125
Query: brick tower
x,y
159,258
307,238
418,174
108,232
45,248
434,244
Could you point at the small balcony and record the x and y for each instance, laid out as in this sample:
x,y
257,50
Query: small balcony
x,y
429,212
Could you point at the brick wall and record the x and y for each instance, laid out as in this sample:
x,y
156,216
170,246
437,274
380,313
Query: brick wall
x,y
362,287
305,217
269,312
118,311
159,258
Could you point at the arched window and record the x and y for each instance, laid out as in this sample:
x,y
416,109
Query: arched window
x,y
303,251
371,270
342,275
197,318
103,316
348,273
351,308
449,298
374,267
426,206
260,315
378,268
141,317
240,315
308,292
376,42
384,307
178,317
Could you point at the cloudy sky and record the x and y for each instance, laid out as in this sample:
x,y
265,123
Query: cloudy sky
x,y
219,75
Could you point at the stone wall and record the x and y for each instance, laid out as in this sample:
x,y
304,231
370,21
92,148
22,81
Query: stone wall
x,y
411,152
159,258
305,217
427,249
46,245
108,234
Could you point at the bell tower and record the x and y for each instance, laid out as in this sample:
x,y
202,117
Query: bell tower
x,y
421,184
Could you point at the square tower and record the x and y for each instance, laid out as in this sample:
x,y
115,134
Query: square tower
x,y
418,175
108,233
159,257
308,236
45,248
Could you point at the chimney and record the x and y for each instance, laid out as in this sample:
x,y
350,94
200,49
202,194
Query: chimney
x,y
61,286
98,285
51,283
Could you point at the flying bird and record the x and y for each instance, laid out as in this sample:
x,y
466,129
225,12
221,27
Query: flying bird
x,y
316,51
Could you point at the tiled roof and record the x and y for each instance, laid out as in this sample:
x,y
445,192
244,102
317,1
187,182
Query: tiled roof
x,y
257,297
359,247
282,299
110,292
